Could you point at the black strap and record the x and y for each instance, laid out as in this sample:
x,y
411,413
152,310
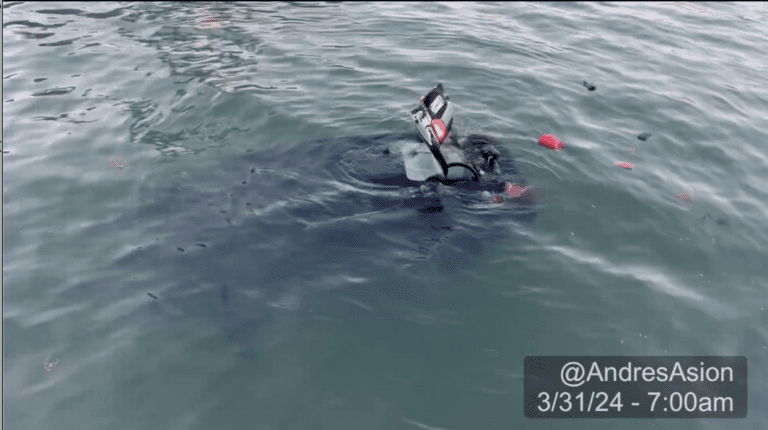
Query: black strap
x,y
434,148
475,176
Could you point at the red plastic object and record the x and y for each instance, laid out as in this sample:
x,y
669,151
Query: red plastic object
x,y
551,142
496,199
628,166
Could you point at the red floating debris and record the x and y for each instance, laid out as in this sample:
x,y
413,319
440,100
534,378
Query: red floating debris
x,y
117,163
522,194
551,142
628,166
515,190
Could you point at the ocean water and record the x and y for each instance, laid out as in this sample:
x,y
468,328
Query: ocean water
x,y
150,281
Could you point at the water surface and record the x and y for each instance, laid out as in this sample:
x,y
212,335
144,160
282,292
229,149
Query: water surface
x,y
127,127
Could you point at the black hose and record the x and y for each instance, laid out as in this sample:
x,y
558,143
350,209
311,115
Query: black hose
x,y
475,176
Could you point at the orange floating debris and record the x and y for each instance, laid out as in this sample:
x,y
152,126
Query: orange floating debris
x,y
628,166
551,142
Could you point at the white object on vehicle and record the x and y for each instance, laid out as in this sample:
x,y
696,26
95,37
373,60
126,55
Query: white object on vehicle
x,y
420,164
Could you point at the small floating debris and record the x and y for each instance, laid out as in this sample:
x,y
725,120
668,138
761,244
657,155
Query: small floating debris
x,y
685,197
117,163
206,21
516,193
551,142
50,366
152,295
514,190
644,136
589,86
627,166
681,98
180,249
201,245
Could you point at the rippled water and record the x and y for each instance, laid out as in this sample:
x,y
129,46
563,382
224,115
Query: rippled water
x,y
152,280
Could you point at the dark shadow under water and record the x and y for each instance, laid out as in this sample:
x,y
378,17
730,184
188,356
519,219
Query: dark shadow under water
x,y
242,243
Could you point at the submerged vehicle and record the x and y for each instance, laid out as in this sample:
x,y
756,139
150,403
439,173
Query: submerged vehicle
x,y
450,159
247,240
440,159
437,155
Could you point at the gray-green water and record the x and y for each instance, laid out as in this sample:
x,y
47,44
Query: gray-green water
x,y
617,263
